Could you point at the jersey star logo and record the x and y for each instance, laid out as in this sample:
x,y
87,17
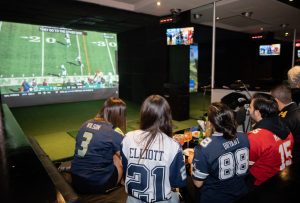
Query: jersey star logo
x,y
283,114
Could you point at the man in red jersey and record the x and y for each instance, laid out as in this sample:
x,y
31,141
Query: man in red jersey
x,y
271,142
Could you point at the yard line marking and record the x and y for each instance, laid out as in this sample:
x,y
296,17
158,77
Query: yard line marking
x,y
43,53
78,45
79,54
112,65
0,25
86,54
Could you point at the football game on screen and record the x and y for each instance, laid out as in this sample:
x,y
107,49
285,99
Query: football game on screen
x,y
43,60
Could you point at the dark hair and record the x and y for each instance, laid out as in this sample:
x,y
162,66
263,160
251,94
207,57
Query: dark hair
x,y
114,111
283,93
155,118
265,104
222,119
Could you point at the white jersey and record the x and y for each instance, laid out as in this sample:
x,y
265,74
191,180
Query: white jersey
x,y
68,41
150,176
63,71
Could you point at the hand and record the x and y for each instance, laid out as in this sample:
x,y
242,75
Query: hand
x,y
65,166
189,153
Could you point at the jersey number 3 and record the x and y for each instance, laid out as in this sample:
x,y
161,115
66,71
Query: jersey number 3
x,y
84,144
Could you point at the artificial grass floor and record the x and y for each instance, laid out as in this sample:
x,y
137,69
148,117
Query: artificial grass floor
x,y
52,125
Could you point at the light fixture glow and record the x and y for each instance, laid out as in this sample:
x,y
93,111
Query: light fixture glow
x,y
247,14
158,3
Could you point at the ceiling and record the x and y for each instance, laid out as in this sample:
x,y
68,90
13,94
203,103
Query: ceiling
x,y
73,14
122,15
267,15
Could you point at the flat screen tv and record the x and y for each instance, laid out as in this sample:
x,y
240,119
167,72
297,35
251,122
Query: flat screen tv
x,y
193,68
298,53
269,50
42,64
180,36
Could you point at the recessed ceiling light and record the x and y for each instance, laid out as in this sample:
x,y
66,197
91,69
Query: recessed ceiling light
x,y
217,18
197,16
291,0
261,28
158,3
176,11
247,14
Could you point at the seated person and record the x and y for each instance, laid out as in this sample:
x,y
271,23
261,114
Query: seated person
x,y
271,142
97,167
220,161
153,160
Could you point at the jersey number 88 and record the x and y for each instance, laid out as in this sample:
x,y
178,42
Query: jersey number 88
x,y
230,164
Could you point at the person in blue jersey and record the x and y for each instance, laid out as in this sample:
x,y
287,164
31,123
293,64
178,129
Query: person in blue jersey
x,y
25,86
97,166
221,160
152,160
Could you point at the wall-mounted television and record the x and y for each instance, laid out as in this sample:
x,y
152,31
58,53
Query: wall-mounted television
x,y
42,64
298,53
269,50
180,36
193,84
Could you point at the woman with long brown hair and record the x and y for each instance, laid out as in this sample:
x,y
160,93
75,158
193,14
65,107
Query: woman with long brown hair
x,y
97,166
152,160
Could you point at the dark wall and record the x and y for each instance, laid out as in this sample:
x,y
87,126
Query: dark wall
x,y
179,65
145,64
237,58
142,62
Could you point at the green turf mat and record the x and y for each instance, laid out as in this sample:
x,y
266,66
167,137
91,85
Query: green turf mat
x,y
73,133
57,145
51,124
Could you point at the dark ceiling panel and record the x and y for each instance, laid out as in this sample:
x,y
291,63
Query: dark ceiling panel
x,y
73,14
295,3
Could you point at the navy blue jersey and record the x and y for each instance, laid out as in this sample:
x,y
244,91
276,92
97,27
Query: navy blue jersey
x,y
222,165
96,143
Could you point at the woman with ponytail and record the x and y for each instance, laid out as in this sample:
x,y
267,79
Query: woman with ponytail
x,y
220,161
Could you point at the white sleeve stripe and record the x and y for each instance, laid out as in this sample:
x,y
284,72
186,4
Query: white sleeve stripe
x,y
199,174
183,173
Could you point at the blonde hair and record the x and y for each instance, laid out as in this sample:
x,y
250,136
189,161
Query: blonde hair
x,y
294,77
